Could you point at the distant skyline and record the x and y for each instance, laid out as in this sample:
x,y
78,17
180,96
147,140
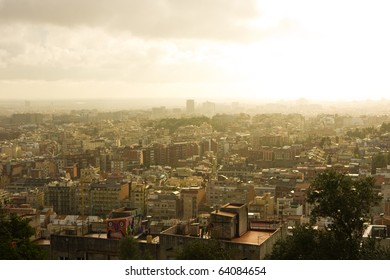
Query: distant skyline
x,y
205,49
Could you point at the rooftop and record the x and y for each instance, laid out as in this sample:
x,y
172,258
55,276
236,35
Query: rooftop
x,y
232,205
42,242
223,213
253,237
102,235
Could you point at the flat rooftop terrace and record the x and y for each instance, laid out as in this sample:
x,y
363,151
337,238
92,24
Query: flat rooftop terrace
x,y
253,237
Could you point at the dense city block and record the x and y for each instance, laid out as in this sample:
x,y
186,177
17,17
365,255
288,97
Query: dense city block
x,y
175,180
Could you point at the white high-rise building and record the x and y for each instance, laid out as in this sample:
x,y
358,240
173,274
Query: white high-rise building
x,y
190,106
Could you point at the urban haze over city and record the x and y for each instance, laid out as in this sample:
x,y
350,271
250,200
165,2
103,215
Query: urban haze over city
x,y
208,129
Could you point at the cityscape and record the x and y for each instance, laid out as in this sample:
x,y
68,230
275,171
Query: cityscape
x,y
86,179
194,130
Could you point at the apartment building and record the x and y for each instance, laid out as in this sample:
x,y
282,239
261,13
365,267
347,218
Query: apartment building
x,y
164,205
229,226
161,154
34,198
181,150
62,196
192,198
222,192
263,206
107,195
138,195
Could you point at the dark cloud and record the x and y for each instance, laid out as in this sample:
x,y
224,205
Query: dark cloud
x,y
120,39
210,19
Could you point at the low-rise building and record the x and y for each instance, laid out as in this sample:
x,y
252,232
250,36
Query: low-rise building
x,y
229,226
263,206
124,222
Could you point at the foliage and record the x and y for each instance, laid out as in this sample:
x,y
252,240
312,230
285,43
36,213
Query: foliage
x,y
372,250
361,132
14,240
307,243
222,122
325,142
129,249
219,122
385,127
172,124
203,250
380,160
347,202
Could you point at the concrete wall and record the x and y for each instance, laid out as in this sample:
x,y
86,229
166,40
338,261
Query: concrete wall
x,y
242,217
266,247
76,247
170,244
224,227
87,248
91,248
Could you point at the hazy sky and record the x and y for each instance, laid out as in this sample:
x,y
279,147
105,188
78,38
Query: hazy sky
x,y
274,49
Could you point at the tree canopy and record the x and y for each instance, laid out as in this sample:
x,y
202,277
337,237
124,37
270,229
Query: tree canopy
x,y
361,132
201,250
379,160
129,249
347,202
14,240
172,124
307,243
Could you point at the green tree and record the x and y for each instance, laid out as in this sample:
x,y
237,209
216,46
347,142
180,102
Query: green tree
x,y
325,142
347,202
221,122
379,161
202,249
361,132
129,249
307,243
173,124
385,127
14,240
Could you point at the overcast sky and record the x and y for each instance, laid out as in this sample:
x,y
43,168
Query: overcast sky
x,y
253,49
